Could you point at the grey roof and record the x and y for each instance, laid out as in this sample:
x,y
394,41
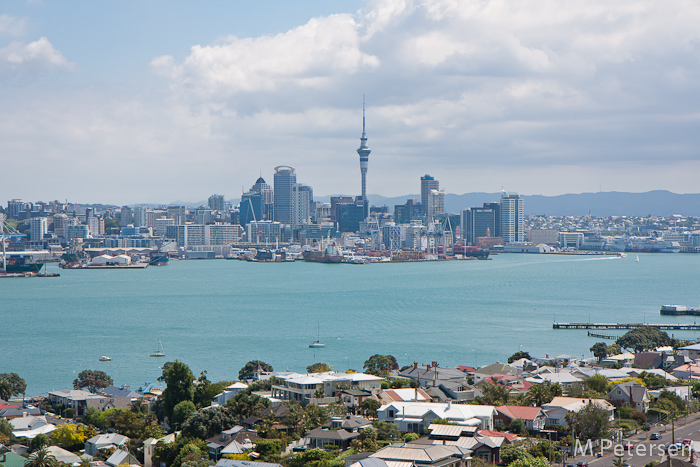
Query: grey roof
x,y
356,392
237,463
321,433
114,391
370,462
441,374
17,412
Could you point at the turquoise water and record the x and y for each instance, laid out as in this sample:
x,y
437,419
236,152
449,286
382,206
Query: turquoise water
x,y
217,315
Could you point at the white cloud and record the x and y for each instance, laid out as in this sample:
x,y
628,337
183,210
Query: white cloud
x,y
11,26
37,56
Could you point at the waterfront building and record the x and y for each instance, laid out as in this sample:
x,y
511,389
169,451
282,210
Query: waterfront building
x,y
427,183
570,239
415,235
140,216
512,218
304,388
350,216
336,201
303,197
178,214
363,151
436,204
161,226
251,207
285,180
222,234
37,229
481,222
186,235
216,202
126,216
264,232
392,236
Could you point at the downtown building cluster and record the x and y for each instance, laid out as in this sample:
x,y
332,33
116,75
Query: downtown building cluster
x,y
282,213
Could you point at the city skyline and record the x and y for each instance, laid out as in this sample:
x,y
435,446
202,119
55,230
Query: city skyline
x,y
156,103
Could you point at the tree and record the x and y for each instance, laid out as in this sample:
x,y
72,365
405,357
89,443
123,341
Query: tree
x,y
644,338
531,462
386,431
318,368
248,370
591,422
182,411
599,351
369,437
16,384
39,442
380,365
493,393
179,387
370,406
517,426
93,380
510,453
598,383
543,393
267,448
72,434
41,458
518,356
5,390
206,423
5,431
243,405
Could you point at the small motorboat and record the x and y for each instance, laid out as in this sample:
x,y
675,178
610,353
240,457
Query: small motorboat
x,y
105,358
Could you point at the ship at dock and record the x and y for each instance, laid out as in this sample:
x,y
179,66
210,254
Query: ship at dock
x,y
330,254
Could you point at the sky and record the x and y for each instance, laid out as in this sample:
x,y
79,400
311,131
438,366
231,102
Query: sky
x,y
155,101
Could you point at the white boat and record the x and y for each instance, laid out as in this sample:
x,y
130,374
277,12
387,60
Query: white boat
x,y
317,344
159,353
105,358
637,259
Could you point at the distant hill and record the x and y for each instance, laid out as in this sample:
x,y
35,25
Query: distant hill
x,y
602,204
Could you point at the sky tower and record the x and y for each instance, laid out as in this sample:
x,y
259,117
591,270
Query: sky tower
x,y
363,151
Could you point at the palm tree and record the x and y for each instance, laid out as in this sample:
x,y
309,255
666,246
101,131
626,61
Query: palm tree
x,y
42,458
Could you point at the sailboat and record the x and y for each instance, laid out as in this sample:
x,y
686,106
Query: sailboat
x,y
317,344
637,259
159,353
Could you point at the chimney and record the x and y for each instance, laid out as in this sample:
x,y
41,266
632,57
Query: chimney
x,y
427,366
415,365
434,364
24,414
449,404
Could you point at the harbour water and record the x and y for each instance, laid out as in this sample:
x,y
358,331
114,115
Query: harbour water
x,y
217,315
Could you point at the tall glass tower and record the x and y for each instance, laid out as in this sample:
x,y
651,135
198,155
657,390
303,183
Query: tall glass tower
x,y
363,151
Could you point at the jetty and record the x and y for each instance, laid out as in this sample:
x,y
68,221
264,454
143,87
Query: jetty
x,y
627,326
602,336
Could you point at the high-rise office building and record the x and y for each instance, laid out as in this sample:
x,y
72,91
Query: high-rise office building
x,y
178,214
481,222
363,151
303,196
436,204
216,202
126,216
37,228
284,181
512,218
264,189
427,184
140,217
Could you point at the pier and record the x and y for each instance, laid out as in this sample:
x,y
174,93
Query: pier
x,y
627,326
602,336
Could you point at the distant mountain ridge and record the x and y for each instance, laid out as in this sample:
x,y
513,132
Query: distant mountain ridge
x,y
601,204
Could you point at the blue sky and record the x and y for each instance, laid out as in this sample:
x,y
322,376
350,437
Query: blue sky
x,y
153,101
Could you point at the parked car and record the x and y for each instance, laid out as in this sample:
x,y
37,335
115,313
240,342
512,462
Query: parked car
x,y
582,464
655,436
628,445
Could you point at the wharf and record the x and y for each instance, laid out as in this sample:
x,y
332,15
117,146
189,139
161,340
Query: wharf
x,y
663,327
677,310
602,336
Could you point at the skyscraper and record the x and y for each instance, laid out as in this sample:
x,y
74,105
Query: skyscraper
x,y
216,202
512,218
363,151
284,182
427,184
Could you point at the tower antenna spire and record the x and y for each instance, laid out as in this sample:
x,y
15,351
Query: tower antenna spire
x,y
363,115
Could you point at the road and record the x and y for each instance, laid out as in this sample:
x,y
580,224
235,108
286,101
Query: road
x,y
646,450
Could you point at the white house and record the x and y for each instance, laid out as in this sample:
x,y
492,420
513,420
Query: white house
x,y
228,393
557,409
415,417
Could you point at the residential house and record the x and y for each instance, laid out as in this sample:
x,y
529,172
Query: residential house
x,y
107,440
119,398
322,388
388,396
228,393
534,417
237,463
415,417
77,399
10,459
339,432
687,371
681,391
557,409
279,412
29,426
483,373
120,457
8,412
432,375
353,398
632,394
63,456
424,455
636,373
564,378
692,351
235,440
149,445
485,445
